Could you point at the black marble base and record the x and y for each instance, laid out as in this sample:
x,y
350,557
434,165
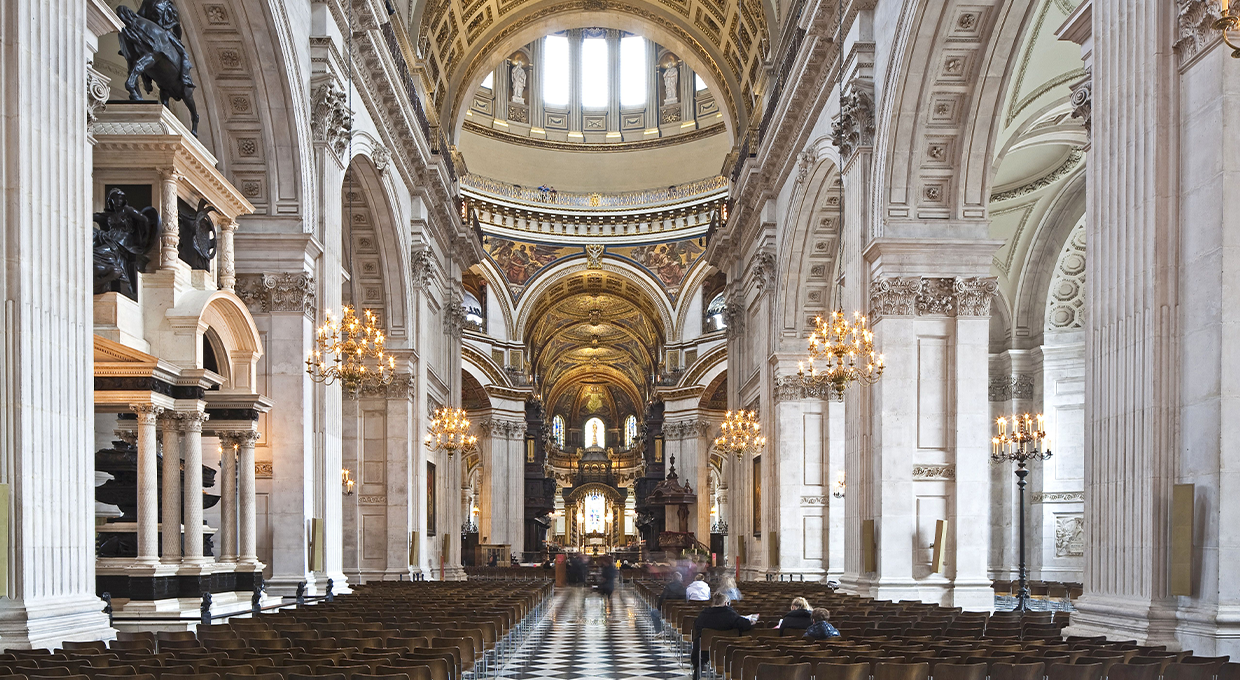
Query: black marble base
x,y
164,587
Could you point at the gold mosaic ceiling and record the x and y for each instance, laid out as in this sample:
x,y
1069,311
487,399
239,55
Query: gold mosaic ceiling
x,y
462,40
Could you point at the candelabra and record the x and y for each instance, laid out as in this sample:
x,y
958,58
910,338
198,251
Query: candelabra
x,y
450,432
1228,22
740,433
346,481
839,485
350,351
841,353
1020,441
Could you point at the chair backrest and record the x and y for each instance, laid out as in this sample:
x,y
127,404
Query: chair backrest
x,y
960,671
1081,670
901,671
1133,672
783,671
1022,671
749,668
842,671
1188,671
1229,671
410,672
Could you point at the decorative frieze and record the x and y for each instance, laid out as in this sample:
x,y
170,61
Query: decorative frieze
x,y
287,292
1075,157
930,296
685,429
943,473
503,429
1059,497
792,388
402,387
372,500
331,121
855,127
1006,388
813,500
262,470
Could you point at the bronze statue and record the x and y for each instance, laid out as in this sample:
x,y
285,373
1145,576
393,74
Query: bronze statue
x,y
198,237
152,47
121,240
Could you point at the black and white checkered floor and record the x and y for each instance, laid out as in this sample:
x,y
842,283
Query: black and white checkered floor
x,y
584,637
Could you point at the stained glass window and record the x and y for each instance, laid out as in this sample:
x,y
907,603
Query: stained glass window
x,y
595,509
557,431
630,431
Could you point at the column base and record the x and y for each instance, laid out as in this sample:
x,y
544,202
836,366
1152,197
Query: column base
x,y
1145,621
972,596
46,623
286,586
455,573
340,582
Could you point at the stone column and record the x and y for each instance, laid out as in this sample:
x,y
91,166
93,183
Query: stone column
x,y
801,454
171,505
246,544
836,507
402,445
148,485
192,488
502,504
169,214
227,259
227,534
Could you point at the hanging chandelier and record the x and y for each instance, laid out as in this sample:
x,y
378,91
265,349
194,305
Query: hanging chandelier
x,y
350,350
740,433
841,353
450,432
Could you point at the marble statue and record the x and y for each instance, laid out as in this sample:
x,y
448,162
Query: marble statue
x,y
121,239
671,82
152,47
518,84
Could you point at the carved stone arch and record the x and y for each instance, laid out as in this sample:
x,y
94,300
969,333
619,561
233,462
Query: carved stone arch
x,y
810,248
941,109
1066,213
693,281
374,247
549,278
497,283
663,26
229,320
1065,299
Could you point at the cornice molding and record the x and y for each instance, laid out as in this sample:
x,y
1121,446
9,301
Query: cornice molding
x,y
583,147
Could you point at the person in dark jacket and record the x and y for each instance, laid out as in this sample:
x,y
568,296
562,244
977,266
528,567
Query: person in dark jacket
x,y
718,616
821,629
799,617
674,590
607,585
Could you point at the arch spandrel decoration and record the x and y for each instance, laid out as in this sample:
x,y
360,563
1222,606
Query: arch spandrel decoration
x,y
1065,301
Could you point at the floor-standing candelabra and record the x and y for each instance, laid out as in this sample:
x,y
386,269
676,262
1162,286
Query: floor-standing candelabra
x,y
1020,440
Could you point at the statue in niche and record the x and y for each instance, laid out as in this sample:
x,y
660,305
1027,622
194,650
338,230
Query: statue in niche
x,y
152,47
671,83
122,236
198,237
518,83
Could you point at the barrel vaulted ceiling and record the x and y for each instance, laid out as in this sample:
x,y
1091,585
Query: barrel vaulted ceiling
x,y
725,41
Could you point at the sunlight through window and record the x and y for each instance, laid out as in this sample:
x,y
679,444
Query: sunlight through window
x,y
698,83
594,72
555,70
486,82
632,71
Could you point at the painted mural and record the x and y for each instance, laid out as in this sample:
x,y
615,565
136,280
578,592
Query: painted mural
x,y
668,261
520,262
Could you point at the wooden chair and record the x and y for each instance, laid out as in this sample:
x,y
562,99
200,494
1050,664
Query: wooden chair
x,y
902,671
1077,671
1229,671
1022,671
750,663
960,671
409,672
781,671
842,671
1188,671
1133,672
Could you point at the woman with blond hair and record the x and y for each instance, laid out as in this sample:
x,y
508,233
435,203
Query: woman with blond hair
x,y
799,618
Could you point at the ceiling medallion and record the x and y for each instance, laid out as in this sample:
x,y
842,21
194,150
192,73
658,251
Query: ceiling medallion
x,y
844,354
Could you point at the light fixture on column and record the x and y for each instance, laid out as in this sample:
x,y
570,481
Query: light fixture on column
x,y
450,432
1020,441
346,481
350,351
1228,21
839,486
841,352
740,433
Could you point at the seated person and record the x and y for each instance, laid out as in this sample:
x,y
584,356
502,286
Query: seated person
x,y
674,590
699,590
718,616
821,629
799,617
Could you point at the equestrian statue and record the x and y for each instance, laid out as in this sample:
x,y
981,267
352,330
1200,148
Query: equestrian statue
x,y
152,47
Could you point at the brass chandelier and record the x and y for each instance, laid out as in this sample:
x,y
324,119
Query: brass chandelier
x,y
450,432
350,350
841,353
1228,22
740,433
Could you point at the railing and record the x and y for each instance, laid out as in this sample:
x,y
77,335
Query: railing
x,y
627,199
205,617
781,80
435,138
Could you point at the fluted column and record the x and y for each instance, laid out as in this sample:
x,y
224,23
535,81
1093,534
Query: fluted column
x,y
228,497
170,235
192,491
148,484
171,505
227,261
245,492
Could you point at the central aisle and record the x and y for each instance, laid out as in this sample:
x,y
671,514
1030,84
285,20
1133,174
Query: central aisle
x,y
580,638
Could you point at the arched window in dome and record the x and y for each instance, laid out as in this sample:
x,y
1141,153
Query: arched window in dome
x,y
714,315
595,433
557,431
630,431
594,61
555,70
633,70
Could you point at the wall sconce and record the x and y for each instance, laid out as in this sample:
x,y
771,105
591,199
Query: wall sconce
x,y
838,487
1228,22
346,480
